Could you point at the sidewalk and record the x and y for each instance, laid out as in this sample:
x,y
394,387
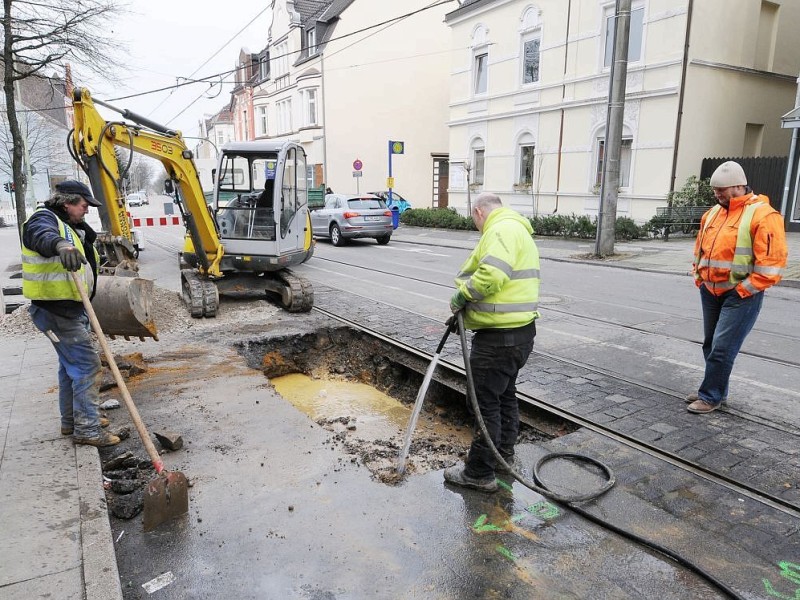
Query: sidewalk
x,y
56,539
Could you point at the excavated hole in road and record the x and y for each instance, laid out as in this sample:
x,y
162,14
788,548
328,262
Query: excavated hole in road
x,y
362,389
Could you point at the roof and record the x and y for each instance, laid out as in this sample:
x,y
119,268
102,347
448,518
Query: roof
x,y
310,10
465,7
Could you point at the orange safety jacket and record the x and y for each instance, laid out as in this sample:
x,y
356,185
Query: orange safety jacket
x,y
741,247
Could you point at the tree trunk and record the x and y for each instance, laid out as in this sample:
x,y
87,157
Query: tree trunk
x,y
13,122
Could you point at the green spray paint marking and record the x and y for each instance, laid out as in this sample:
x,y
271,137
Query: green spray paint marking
x,y
482,526
506,552
504,485
544,510
789,571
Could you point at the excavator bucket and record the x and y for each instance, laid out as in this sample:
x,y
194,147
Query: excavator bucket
x,y
124,307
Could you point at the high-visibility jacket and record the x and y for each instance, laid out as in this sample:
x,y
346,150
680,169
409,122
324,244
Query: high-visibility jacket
x,y
500,279
45,278
741,247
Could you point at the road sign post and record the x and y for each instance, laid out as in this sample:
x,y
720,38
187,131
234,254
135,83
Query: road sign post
x,y
395,147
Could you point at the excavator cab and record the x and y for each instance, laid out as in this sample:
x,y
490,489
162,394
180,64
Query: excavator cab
x,y
260,209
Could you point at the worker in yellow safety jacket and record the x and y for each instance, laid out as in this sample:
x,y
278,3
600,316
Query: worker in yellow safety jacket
x,y
56,241
740,251
498,290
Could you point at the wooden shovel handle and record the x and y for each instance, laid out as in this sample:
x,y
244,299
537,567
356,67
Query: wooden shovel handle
x,y
137,420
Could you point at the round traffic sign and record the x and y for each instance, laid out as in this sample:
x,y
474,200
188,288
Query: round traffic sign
x,y
357,164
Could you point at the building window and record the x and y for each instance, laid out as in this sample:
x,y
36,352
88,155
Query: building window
x,y
281,59
477,165
526,156
284,108
263,67
262,120
309,107
634,41
311,41
530,59
481,66
220,139
624,162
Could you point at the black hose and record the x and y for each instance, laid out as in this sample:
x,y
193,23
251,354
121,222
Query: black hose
x,y
539,487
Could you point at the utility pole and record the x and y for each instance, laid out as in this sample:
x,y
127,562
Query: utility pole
x,y
609,186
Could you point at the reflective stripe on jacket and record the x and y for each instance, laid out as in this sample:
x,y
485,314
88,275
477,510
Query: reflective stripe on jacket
x,y
45,278
742,247
500,279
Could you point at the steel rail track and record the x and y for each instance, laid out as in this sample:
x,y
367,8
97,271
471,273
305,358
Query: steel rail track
x,y
770,359
692,467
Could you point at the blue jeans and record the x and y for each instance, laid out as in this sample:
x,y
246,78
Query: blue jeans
x,y
727,319
78,370
495,364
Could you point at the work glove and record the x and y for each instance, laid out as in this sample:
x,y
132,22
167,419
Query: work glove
x,y
70,256
452,324
457,302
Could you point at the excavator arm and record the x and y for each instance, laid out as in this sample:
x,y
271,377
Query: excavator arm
x,y
92,144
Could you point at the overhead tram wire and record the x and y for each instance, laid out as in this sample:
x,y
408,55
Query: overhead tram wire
x,y
208,60
230,71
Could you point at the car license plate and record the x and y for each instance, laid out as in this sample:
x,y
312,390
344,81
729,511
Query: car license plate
x,y
372,218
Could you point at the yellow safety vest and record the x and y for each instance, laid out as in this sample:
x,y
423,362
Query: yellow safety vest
x,y
47,279
500,279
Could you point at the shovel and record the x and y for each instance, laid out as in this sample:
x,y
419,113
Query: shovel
x,y
423,390
167,496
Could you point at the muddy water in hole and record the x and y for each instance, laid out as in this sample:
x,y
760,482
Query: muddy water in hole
x,y
373,412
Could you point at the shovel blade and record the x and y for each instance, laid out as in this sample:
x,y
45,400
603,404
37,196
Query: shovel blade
x,y
165,498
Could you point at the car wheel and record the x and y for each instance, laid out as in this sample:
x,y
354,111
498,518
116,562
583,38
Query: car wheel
x,y
336,235
383,239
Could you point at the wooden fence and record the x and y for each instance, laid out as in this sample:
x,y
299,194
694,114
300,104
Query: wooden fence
x,y
765,174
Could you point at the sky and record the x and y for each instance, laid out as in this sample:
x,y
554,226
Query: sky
x,y
171,39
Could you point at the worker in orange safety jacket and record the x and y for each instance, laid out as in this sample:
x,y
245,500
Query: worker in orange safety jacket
x,y
740,251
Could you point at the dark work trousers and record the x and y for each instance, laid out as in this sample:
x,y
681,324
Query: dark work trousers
x,y
497,356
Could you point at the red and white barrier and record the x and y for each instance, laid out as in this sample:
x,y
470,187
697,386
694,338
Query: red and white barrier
x,y
155,221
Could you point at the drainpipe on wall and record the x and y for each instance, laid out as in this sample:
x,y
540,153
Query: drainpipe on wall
x,y
790,163
563,94
324,123
681,93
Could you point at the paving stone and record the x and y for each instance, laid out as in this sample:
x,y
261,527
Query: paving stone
x,y
618,398
754,444
577,380
663,428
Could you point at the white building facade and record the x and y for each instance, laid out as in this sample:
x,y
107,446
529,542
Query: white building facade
x,y
529,89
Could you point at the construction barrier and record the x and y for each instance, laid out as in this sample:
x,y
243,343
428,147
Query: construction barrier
x,y
155,221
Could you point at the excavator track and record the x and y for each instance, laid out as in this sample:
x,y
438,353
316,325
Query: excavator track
x,y
200,295
298,293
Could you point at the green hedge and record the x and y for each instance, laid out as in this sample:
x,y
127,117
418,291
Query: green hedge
x,y
569,226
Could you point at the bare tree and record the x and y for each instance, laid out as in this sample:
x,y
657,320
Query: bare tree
x,y
45,144
42,35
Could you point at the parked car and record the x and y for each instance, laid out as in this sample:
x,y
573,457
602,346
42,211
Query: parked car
x,y
349,216
397,200
136,199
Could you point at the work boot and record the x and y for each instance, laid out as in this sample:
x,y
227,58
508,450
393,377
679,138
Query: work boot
x,y
510,460
693,397
68,430
102,440
701,407
456,476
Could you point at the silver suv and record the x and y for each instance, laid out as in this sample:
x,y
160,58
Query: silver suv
x,y
350,216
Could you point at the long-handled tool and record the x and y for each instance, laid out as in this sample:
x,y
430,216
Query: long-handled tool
x,y
167,496
426,381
